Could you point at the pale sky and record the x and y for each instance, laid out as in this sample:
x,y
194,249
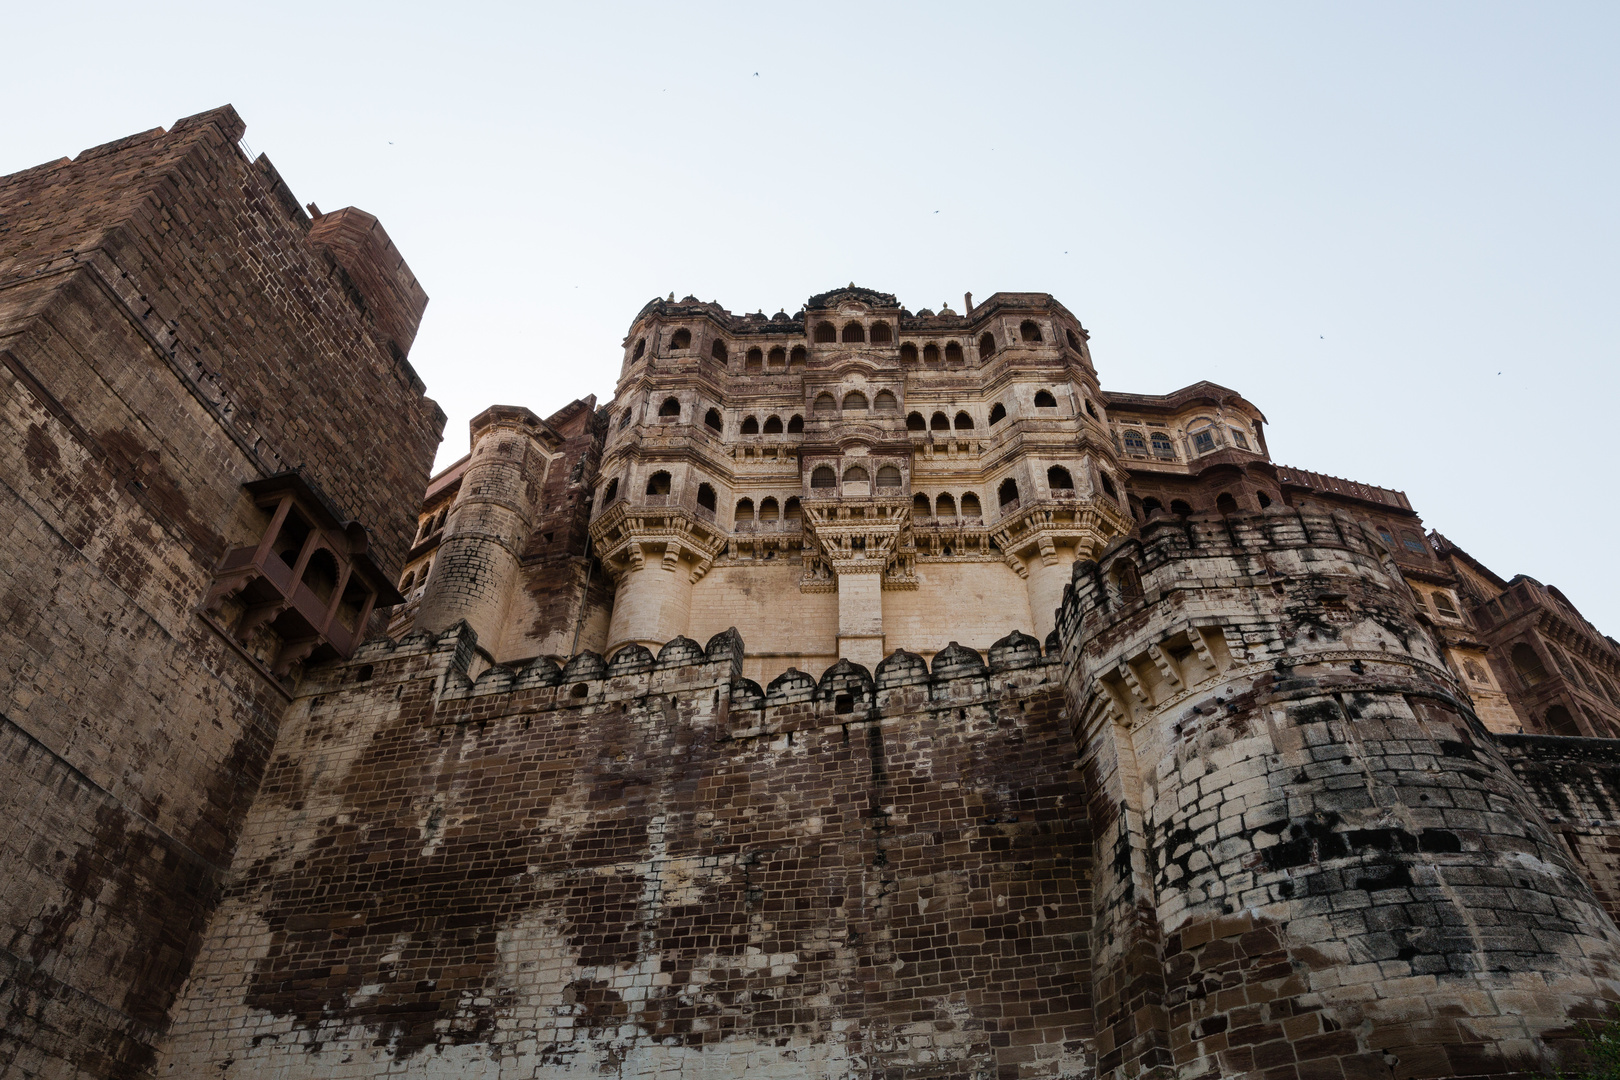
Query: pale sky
x,y
1390,226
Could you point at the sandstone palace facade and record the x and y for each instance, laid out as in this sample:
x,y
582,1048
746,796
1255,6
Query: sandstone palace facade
x,y
860,693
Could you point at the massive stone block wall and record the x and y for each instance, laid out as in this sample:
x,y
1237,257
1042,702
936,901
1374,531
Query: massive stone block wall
x,y
165,336
654,867
1312,859
1576,783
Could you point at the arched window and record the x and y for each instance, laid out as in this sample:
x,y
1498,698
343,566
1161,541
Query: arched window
x,y
1151,507
1265,500
856,475
888,477
745,510
768,510
1473,671
1559,722
792,511
908,353
1091,410
1180,508
1162,446
998,413
1528,665
855,400
825,332
773,425
1108,486
624,421
1058,479
919,506
750,426
797,358
881,334
796,425
854,333
885,402
1443,604
930,355
754,361
408,583
658,483
670,407
823,477
712,419
641,347
945,506
953,352
1045,400
1134,443
610,492
970,505
987,346
718,350
915,422
940,422
825,403
706,496
1074,342
1127,581
681,339
778,358
1008,493
964,422
1028,331
1225,504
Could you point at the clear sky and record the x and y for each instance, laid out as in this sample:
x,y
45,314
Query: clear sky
x,y
1391,226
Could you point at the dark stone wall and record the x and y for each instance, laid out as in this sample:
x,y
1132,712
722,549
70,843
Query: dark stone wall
x,y
166,335
654,866
1576,785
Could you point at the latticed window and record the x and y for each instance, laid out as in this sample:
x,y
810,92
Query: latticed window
x,y
1203,441
1135,442
1162,446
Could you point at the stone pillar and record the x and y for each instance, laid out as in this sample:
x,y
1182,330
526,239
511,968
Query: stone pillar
x,y
476,567
860,613
653,601
1307,848
1047,575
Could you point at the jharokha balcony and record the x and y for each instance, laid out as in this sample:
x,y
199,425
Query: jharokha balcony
x,y
308,580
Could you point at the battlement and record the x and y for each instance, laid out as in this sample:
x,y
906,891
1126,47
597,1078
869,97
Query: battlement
x,y
844,692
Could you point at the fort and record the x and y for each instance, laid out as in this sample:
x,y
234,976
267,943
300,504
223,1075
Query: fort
x,y
859,693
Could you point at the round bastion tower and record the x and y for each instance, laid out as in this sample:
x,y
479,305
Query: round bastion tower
x,y
476,569
1315,853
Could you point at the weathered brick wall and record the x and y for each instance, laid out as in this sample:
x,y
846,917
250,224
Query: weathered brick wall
x,y
165,336
1312,859
651,869
1576,784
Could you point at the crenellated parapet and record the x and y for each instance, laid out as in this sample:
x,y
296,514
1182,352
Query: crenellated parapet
x,y
451,660
1296,799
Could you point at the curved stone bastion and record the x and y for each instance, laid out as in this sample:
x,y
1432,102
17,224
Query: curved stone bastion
x,y
1310,854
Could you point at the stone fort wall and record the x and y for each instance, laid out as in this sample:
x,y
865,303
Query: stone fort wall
x,y
171,327
1312,857
655,867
